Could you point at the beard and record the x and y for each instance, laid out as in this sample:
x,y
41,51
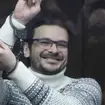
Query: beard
x,y
38,67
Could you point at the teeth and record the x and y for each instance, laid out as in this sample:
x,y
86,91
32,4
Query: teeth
x,y
52,58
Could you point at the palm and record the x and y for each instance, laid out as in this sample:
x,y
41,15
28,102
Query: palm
x,y
25,12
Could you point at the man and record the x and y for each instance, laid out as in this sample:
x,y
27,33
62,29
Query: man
x,y
44,82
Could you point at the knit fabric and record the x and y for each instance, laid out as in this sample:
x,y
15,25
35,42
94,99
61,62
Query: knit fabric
x,y
13,95
84,91
4,96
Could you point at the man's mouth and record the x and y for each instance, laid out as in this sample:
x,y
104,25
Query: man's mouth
x,y
53,58
56,57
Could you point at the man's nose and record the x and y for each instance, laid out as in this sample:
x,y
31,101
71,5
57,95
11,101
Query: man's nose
x,y
53,48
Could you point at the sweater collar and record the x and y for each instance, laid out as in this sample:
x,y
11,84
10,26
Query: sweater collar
x,y
56,81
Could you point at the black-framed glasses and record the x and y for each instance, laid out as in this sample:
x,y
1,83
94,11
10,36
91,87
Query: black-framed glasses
x,y
47,43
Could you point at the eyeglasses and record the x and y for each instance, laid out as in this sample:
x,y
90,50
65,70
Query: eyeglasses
x,y
46,43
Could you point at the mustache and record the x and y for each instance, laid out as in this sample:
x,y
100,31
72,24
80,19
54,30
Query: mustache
x,y
52,56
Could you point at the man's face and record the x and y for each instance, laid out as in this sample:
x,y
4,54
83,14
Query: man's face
x,y
46,58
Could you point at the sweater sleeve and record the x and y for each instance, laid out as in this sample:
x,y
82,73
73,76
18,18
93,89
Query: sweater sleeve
x,y
15,95
84,91
4,96
6,31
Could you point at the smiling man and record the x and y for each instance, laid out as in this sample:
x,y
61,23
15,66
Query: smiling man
x,y
48,52
44,82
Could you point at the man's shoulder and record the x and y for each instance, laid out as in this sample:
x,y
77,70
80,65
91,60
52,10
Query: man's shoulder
x,y
84,89
83,82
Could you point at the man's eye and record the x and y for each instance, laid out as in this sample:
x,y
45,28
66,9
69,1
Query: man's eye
x,y
44,42
62,45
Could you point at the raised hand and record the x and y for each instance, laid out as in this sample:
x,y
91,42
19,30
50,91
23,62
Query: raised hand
x,y
25,10
7,58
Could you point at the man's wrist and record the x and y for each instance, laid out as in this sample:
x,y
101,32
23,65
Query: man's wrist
x,y
20,20
19,33
7,73
17,23
22,76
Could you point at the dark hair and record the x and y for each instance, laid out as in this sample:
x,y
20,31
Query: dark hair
x,y
50,18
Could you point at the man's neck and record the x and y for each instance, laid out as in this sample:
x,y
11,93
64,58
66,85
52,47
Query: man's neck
x,y
46,72
56,81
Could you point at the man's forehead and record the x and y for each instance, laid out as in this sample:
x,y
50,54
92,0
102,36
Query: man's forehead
x,y
50,31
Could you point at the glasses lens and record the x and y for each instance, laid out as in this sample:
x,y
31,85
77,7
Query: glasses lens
x,y
45,43
62,44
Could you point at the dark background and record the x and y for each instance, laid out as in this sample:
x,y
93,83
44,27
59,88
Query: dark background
x,y
70,7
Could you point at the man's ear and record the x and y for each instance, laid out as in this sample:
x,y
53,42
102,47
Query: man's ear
x,y
26,50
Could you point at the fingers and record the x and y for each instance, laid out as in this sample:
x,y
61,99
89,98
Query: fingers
x,y
40,1
35,1
31,3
